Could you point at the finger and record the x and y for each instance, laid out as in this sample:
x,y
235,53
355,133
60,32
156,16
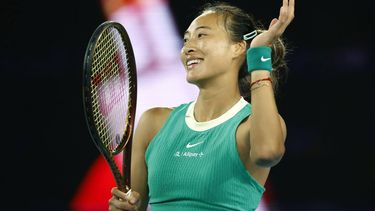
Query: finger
x,y
291,3
133,197
117,204
283,14
291,9
285,17
285,3
287,12
118,193
113,205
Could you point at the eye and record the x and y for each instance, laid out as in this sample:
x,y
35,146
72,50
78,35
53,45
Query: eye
x,y
185,40
201,35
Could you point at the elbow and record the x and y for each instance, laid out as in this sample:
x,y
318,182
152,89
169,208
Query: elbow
x,y
268,156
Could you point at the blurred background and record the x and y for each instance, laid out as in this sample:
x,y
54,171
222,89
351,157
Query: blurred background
x,y
50,163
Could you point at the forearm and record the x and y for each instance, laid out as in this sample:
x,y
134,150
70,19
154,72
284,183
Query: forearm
x,y
266,136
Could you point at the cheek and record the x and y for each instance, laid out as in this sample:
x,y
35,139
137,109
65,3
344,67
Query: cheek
x,y
219,54
217,48
219,59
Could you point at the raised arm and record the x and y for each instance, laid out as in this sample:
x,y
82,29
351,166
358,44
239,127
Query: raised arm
x,y
268,129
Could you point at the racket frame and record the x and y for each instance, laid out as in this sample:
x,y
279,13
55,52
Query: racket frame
x,y
123,182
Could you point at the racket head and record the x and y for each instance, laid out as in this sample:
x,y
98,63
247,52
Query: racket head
x,y
110,88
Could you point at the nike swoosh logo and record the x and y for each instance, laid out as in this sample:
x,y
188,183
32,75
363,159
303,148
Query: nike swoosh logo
x,y
264,59
193,145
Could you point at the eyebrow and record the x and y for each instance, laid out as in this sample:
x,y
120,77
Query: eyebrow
x,y
199,27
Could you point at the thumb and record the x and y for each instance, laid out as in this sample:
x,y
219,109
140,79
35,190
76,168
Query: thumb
x,y
133,197
273,22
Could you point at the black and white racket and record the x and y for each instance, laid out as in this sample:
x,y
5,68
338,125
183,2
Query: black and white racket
x,y
110,95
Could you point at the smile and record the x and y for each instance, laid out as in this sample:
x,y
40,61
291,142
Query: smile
x,y
193,62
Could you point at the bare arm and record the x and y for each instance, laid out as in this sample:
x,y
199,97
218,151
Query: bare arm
x,y
268,130
149,125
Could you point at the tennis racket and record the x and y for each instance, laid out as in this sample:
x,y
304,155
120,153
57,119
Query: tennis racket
x,y
110,95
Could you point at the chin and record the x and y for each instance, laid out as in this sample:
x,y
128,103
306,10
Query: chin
x,y
192,80
196,78
197,83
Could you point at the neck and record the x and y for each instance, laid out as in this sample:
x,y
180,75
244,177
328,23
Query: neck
x,y
215,101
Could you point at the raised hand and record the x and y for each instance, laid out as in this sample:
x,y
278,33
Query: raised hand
x,y
277,26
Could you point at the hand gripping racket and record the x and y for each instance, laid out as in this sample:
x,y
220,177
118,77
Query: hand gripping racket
x,y
110,95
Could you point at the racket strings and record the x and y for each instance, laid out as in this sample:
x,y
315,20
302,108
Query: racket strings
x,y
110,88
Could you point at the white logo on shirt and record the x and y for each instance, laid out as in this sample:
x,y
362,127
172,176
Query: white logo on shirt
x,y
188,154
193,145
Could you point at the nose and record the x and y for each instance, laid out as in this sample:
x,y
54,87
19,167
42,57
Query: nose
x,y
188,47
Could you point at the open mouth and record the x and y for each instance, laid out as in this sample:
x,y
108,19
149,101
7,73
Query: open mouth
x,y
193,63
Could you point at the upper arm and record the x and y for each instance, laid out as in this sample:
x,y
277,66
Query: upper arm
x,y
148,126
260,173
283,127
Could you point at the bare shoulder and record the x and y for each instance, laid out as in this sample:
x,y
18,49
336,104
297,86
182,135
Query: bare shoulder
x,y
151,122
153,119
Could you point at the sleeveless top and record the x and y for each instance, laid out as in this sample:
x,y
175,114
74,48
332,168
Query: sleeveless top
x,y
196,166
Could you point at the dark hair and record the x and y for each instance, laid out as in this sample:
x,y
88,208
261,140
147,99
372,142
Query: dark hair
x,y
238,23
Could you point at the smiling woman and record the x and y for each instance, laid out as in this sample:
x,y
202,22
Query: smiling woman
x,y
238,26
214,153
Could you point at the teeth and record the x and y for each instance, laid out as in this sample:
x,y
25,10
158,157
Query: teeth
x,y
194,61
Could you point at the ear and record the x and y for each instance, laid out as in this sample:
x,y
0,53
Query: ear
x,y
239,48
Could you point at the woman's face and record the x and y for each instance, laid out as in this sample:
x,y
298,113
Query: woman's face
x,y
207,49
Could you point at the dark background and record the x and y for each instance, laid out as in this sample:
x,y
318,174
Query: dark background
x,y
327,102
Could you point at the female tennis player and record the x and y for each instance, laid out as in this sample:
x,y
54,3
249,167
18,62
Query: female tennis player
x,y
216,152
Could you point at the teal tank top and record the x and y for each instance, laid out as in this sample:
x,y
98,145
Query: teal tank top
x,y
196,166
